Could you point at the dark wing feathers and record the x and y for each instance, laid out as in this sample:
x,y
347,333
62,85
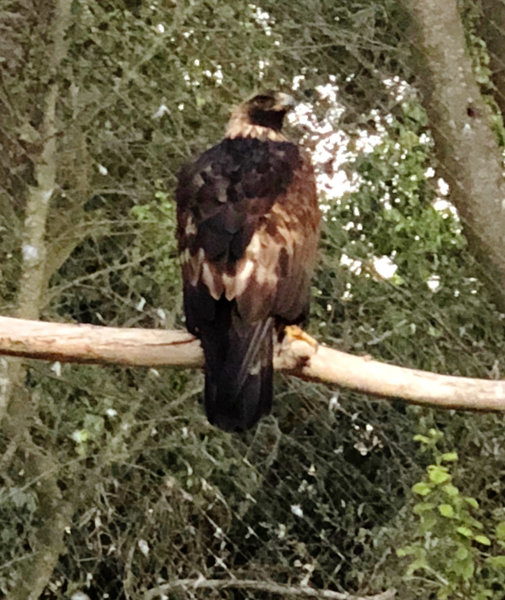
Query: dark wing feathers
x,y
298,230
247,229
230,184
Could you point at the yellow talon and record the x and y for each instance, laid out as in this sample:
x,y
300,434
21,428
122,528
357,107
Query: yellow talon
x,y
295,333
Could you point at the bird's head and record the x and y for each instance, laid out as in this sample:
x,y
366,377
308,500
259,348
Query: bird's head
x,y
261,116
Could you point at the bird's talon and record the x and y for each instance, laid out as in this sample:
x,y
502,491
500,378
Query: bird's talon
x,y
294,333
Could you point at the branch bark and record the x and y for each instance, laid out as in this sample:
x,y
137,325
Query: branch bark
x,y
469,157
296,355
286,591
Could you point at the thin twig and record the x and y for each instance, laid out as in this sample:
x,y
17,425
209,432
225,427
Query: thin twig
x,y
300,591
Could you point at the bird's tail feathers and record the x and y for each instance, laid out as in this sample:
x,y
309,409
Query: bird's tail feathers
x,y
239,371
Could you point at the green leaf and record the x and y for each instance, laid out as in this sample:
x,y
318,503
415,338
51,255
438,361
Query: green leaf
x,y
446,510
482,539
421,488
474,523
449,457
464,568
472,502
450,490
421,439
438,474
422,507
461,553
500,530
468,570
409,139
465,531
497,561
428,521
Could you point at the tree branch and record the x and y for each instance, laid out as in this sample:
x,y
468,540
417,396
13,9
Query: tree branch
x,y
53,513
297,356
301,591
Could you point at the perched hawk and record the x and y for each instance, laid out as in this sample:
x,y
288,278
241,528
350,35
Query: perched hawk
x,y
247,226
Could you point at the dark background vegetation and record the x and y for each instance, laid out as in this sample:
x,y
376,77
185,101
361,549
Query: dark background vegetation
x,y
112,482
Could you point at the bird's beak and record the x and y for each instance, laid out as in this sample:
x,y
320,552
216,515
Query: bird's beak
x,y
284,101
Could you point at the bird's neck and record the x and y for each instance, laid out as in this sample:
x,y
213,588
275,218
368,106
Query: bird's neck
x,y
240,126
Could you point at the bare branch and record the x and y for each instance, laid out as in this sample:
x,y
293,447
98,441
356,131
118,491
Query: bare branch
x,y
53,513
301,591
100,345
155,348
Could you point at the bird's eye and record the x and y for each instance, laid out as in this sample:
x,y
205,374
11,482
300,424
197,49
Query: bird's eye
x,y
263,100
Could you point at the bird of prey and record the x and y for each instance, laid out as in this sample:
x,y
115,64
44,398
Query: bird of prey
x,y
247,229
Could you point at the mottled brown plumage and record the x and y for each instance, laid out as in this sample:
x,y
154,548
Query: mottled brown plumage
x,y
247,226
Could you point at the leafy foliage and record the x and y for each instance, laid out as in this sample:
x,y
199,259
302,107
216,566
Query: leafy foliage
x,y
320,493
449,544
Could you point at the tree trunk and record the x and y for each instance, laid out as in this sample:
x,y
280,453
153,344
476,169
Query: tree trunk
x,y
469,157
